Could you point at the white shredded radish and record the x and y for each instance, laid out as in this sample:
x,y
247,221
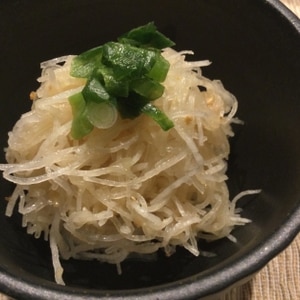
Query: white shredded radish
x,y
132,187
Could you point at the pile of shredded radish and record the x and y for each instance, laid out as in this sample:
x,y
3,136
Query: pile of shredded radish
x,y
131,188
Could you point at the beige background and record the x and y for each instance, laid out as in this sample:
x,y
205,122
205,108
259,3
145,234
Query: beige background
x,y
280,279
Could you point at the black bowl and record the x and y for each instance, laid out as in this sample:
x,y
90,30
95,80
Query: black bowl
x,y
254,46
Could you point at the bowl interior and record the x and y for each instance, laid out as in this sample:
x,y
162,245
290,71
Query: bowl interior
x,y
255,52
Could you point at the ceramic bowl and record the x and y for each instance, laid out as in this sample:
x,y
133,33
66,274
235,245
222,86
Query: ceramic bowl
x,y
254,46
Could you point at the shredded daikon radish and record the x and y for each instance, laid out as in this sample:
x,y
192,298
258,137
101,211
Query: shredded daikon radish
x,y
130,188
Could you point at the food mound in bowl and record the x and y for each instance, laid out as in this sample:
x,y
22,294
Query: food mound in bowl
x,y
124,152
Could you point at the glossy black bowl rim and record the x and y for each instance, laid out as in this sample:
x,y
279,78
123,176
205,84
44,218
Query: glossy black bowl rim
x,y
193,287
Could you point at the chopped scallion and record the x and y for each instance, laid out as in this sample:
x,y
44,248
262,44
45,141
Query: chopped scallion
x,y
81,126
102,115
123,76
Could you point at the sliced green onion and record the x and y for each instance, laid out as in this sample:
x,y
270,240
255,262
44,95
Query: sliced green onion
x,y
81,126
122,77
127,61
160,69
148,88
102,115
95,91
83,65
114,86
131,107
158,116
146,35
